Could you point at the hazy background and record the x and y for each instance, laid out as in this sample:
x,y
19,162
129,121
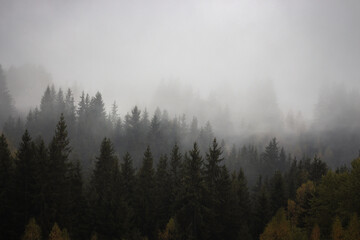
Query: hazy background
x,y
239,58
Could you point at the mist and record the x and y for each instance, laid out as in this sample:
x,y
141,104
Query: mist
x,y
250,68
125,50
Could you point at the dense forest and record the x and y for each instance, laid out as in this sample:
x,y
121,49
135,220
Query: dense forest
x,y
73,171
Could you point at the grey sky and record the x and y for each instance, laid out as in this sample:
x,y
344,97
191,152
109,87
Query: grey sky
x,y
126,48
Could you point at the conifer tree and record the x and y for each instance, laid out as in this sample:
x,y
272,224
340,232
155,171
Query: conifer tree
x,y
58,175
25,181
6,186
163,192
127,178
109,211
277,192
191,207
175,176
6,106
145,201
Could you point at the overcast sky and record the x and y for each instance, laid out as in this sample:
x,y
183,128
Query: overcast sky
x,y
126,48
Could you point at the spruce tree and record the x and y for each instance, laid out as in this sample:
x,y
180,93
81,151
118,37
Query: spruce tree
x,y
109,211
58,175
6,186
163,192
175,176
127,178
191,203
145,198
25,181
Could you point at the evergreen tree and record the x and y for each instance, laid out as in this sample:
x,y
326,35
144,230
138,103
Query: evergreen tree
x,y
277,192
145,206
58,175
6,186
25,181
127,178
271,157
191,203
175,176
163,192
6,106
109,211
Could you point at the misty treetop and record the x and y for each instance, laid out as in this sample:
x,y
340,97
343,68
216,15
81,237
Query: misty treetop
x,y
184,196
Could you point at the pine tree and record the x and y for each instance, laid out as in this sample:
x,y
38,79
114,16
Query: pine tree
x,y
190,205
163,192
6,105
6,186
58,173
109,211
175,176
145,196
128,178
215,185
277,192
25,181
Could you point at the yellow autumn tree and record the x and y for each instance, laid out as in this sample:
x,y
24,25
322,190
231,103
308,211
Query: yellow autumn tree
x,y
65,234
56,233
292,212
337,232
315,233
353,230
304,194
170,231
278,228
32,231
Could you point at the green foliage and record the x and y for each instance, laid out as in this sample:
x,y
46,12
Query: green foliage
x,y
190,204
6,184
145,196
110,213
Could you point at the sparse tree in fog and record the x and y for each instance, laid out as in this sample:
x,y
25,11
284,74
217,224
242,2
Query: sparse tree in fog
x,y
6,105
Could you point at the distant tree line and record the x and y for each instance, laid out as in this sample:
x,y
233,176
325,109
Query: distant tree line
x,y
184,196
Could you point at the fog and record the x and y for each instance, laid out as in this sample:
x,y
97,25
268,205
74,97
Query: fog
x,y
246,66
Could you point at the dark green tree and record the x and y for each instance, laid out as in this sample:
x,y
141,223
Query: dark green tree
x,y
6,186
25,181
277,192
163,192
191,207
145,197
109,212
58,176
175,176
